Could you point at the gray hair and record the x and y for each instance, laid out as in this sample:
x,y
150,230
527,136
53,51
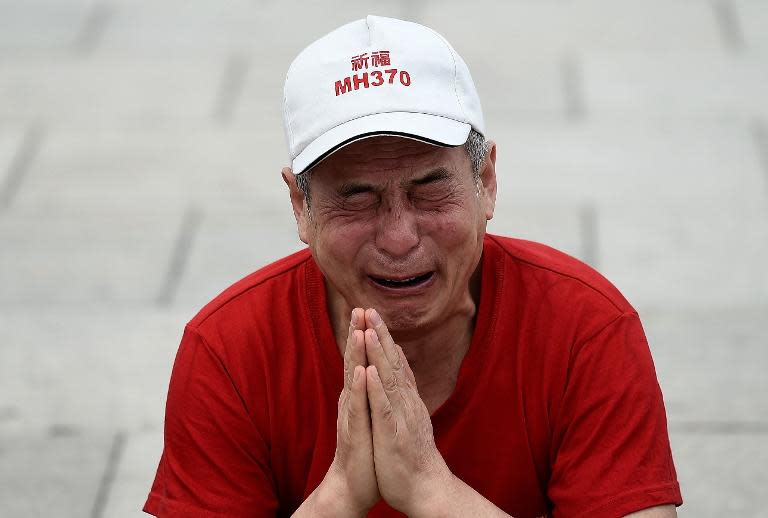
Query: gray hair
x,y
476,147
302,180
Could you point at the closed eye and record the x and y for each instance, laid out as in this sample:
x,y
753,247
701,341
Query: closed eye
x,y
348,190
361,200
431,193
438,175
434,186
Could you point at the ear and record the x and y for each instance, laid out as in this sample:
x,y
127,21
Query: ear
x,y
298,202
488,181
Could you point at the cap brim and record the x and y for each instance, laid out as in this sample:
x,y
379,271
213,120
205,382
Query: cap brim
x,y
432,129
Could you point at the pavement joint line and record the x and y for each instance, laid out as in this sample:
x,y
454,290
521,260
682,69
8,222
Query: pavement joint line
x,y
25,154
720,427
190,226
573,88
588,230
231,87
108,477
728,22
92,30
760,138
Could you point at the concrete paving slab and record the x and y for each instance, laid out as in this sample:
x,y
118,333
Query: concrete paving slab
x,y
234,241
267,28
97,370
711,366
558,226
125,170
107,93
610,162
721,475
30,27
551,28
522,90
134,475
687,256
753,19
641,86
51,475
92,257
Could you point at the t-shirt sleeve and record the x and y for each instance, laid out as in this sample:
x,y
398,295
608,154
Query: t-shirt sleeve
x,y
611,453
214,462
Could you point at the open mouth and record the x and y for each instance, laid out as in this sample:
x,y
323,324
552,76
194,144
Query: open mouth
x,y
403,283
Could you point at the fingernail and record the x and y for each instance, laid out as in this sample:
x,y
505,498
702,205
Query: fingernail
x,y
375,318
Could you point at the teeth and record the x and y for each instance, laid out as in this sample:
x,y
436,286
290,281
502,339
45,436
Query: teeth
x,y
394,283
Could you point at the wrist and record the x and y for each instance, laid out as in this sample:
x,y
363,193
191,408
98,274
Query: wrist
x,y
332,498
435,501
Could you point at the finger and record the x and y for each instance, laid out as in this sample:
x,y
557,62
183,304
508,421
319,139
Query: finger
x,y
357,405
354,351
376,323
355,356
381,408
407,366
354,421
357,320
386,374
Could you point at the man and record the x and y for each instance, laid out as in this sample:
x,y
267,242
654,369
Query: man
x,y
407,361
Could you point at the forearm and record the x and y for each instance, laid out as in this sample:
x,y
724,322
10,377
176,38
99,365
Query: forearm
x,y
327,500
458,499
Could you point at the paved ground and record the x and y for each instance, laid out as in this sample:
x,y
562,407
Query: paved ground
x,y
140,146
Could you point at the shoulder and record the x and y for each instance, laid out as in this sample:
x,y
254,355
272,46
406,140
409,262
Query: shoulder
x,y
555,276
272,285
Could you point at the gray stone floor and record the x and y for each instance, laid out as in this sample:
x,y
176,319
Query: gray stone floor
x,y
140,146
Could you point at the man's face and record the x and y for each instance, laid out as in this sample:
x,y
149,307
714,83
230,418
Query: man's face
x,y
398,225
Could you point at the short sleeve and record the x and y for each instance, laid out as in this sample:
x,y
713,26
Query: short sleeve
x,y
214,462
611,453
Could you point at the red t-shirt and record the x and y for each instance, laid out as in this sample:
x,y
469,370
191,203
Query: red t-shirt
x,y
556,410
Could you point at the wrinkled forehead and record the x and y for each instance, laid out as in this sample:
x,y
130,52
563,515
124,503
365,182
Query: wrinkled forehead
x,y
388,157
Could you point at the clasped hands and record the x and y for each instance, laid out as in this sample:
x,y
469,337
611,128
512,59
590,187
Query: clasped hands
x,y
385,446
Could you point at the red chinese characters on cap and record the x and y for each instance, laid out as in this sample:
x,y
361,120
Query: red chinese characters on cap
x,y
358,62
377,58
380,58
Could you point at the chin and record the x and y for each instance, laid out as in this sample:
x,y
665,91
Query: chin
x,y
403,319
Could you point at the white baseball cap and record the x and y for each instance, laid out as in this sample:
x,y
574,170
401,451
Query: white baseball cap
x,y
377,76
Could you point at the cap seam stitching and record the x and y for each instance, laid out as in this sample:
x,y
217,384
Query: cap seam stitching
x,y
370,31
455,70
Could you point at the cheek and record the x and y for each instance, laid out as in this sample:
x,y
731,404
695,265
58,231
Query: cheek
x,y
341,243
450,227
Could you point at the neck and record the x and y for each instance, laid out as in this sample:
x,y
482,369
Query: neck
x,y
435,356
435,352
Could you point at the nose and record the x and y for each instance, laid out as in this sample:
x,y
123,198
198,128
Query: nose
x,y
397,233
